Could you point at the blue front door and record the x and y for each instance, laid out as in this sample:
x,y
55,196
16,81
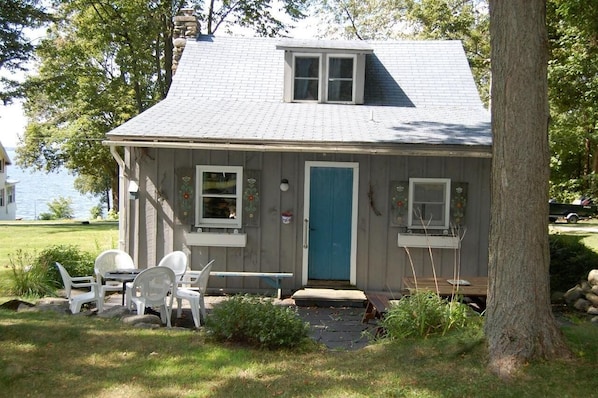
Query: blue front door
x,y
330,223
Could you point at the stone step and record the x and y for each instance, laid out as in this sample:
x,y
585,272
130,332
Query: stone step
x,y
323,297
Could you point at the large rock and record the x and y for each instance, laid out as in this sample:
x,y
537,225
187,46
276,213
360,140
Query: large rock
x,y
593,277
574,294
592,298
582,305
135,320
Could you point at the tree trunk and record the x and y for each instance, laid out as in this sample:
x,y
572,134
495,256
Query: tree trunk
x,y
520,325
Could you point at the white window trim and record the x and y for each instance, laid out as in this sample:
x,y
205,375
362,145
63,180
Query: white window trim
x,y
219,222
353,77
416,223
307,55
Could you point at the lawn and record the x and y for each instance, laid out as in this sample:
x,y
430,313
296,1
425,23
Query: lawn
x,y
37,235
44,354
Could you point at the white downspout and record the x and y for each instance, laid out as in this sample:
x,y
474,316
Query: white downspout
x,y
122,210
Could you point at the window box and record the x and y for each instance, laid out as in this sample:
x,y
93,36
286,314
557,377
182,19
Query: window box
x,y
428,241
216,239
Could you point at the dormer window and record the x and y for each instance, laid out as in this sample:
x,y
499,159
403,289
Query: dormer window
x,y
324,72
307,78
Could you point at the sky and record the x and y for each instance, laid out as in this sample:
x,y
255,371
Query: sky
x,y
13,121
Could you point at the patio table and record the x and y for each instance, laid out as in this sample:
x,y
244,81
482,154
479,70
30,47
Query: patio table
x,y
123,276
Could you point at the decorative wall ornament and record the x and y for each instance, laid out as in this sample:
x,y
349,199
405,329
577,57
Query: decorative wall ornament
x,y
185,185
399,198
458,203
251,198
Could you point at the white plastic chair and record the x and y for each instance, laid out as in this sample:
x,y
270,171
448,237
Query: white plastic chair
x,y
77,282
194,289
108,261
177,262
151,289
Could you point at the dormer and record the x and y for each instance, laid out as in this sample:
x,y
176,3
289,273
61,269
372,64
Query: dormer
x,y
324,71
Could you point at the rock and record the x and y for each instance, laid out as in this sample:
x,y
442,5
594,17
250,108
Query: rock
x,y
594,289
573,294
594,320
592,298
582,304
133,320
557,297
115,312
15,305
593,310
593,277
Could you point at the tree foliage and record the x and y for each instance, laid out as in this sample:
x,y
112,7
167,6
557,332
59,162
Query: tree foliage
x,y
465,20
103,62
573,85
15,47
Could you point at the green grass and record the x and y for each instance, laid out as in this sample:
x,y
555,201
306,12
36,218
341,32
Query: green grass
x,y
37,235
46,354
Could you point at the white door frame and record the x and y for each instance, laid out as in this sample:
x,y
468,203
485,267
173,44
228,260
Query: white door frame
x,y
306,193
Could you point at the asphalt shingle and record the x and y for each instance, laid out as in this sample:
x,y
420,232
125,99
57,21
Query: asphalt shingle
x,y
230,89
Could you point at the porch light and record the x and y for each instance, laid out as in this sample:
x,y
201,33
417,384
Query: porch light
x,y
284,185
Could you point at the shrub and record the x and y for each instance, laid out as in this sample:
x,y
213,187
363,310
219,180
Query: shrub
x,y
570,261
256,321
60,208
425,313
97,212
28,279
75,261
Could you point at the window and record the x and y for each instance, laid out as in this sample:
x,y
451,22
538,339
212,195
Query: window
x,y
330,81
219,196
2,198
340,79
1,165
11,194
429,203
307,78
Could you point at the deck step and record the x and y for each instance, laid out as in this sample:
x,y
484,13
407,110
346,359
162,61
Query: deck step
x,y
319,297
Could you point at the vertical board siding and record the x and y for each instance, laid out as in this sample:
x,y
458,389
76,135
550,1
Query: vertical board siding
x,y
154,230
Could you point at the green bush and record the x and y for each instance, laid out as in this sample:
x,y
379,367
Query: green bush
x,y
75,261
28,279
570,261
426,313
256,321
60,208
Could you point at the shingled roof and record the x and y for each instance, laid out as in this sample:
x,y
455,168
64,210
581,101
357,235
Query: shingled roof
x,y
228,91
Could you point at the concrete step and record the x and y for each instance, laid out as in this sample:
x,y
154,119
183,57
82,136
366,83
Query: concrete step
x,y
325,297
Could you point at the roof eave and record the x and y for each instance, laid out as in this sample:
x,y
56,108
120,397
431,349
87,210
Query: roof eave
x,y
437,150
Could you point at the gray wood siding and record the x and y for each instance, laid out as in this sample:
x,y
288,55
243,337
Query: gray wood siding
x,y
153,229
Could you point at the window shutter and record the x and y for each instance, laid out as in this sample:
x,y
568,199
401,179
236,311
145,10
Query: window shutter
x,y
185,186
458,203
251,198
399,196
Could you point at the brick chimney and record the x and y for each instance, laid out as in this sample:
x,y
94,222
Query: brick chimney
x,y
186,26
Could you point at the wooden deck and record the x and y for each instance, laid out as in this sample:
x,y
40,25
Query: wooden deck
x,y
477,287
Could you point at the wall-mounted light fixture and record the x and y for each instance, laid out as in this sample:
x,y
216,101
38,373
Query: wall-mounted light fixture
x,y
284,185
133,190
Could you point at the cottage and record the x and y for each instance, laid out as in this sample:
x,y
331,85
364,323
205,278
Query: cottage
x,y
339,162
8,205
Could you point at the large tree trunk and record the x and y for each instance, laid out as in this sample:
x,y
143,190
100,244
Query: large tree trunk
x,y
520,325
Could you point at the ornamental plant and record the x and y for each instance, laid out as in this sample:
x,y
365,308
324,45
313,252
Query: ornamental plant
x,y
256,321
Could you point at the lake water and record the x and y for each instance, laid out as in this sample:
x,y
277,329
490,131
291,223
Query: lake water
x,y
36,189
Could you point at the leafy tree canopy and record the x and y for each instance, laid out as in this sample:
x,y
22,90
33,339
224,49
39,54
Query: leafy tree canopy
x,y
465,20
573,90
103,62
15,47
